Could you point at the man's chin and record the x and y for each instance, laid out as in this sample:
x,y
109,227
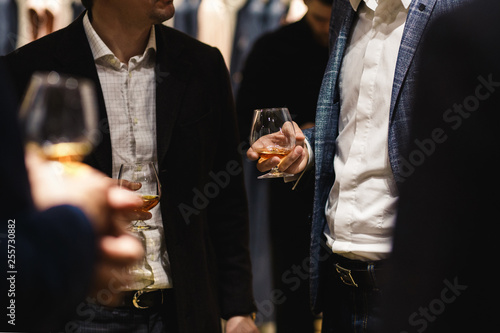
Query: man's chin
x,y
164,10
160,17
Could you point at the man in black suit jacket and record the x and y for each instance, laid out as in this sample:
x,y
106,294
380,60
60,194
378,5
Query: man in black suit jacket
x,y
203,203
446,242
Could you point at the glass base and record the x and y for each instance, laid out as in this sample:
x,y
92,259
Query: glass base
x,y
138,226
275,173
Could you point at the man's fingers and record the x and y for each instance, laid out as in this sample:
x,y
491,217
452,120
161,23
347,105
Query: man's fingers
x,y
293,163
124,249
299,135
252,155
293,159
133,186
139,215
123,199
264,165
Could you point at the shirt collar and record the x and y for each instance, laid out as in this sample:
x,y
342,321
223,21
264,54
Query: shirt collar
x,y
372,4
101,51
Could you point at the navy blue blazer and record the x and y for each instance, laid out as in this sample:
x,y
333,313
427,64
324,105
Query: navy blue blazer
x,y
323,136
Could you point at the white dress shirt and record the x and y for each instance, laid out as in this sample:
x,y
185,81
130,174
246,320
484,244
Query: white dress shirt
x,y
130,97
360,210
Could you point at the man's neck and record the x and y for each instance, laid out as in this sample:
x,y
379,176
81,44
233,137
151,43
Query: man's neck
x,y
124,39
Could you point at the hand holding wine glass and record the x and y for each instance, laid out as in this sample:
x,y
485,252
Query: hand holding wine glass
x,y
272,135
141,178
293,163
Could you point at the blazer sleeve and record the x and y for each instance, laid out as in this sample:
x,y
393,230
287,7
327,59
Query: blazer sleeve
x,y
56,251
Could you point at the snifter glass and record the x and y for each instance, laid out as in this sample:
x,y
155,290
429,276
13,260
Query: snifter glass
x,y
59,116
141,178
272,134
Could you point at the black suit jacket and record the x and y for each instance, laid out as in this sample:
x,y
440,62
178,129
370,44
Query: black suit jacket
x,y
446,242
203,200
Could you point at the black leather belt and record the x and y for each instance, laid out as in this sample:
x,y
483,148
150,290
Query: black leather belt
x,y
145,299
357,273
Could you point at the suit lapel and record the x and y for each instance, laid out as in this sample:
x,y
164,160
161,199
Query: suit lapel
x,y
326,118
340,28
418,16
326,131
75,57
340,31
172,74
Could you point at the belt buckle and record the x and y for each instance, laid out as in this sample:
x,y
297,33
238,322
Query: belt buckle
x,y
345,276
136,299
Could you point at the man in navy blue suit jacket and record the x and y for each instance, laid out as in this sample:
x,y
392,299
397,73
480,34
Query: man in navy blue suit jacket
x,y
362,126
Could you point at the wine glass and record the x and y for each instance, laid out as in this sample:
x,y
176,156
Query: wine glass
x,y
59,116
141,178
272,134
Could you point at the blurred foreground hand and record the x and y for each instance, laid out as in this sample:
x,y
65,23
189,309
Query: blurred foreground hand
x,y
109,209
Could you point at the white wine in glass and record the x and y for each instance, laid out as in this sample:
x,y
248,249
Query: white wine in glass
x,y
59,116
272,135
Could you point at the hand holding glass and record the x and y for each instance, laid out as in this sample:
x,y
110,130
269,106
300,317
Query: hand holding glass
x,y
143,179
272,134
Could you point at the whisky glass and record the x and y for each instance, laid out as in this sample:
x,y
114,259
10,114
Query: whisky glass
x,y
59,117
272,134
141,178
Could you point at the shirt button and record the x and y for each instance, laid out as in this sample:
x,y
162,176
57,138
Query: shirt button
x,y
136,121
